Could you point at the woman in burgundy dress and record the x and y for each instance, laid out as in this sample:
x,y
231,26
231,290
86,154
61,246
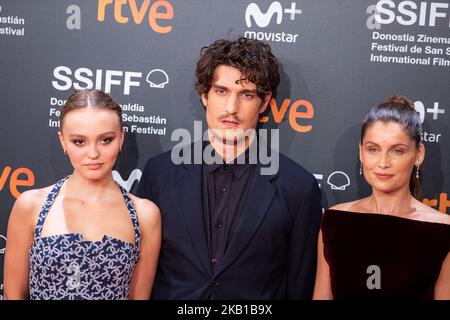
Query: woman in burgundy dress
x,y
388,245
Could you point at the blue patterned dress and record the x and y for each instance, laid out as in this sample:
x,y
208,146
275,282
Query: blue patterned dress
x,y
67,267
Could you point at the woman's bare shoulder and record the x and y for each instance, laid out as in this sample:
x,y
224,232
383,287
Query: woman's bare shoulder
x,y
147,211
32,199
27,206
429,214
348,206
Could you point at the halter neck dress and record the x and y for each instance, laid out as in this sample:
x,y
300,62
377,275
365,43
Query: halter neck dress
x,y
67,267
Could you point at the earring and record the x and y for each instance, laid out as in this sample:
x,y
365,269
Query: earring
x,y
417,172
360,170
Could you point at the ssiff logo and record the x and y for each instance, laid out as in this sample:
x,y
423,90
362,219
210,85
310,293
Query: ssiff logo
x,y
407,13
337,180
85,78
253,13
157,78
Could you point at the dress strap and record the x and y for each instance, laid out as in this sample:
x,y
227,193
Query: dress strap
x,y
133,215
46,207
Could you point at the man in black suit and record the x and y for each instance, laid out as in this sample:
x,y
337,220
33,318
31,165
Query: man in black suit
x,y
231,230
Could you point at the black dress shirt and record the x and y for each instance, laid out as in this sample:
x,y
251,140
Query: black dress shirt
x,y
225,188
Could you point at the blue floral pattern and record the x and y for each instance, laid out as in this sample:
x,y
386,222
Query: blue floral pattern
x,y
68,267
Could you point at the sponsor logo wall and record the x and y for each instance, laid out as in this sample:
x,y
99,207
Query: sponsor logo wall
x,y
337,61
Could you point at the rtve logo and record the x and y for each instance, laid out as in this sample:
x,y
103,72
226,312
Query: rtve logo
x,y
441,204
85,78
298,110
159,10
20,177
410,12
253,13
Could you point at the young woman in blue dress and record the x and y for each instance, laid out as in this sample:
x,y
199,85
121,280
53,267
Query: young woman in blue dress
x,y
85,237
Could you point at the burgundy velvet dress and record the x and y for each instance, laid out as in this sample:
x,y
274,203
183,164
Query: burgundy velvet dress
x,y
377,256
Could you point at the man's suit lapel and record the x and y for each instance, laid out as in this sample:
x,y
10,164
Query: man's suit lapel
x,y
190,198
259,198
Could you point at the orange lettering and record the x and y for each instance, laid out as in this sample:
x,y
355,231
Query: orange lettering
x,y
4,176
15,181
138,12
118,11
294,114
278,114
263,119
154,15
101,9
430,202
138,15
444,203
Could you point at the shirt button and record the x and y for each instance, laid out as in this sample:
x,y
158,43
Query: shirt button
x,y
219,225
224,189
214,283
226,167
214,260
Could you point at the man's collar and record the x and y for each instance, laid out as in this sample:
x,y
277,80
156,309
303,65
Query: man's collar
x,y
237,166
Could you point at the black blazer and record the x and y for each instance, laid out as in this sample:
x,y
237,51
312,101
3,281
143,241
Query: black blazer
x,y
270,255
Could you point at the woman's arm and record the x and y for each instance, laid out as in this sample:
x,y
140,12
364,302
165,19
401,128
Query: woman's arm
x,y
150,228
20,235
442,287
322,288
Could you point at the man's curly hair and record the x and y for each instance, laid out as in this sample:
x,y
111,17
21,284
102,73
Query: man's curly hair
x,y
252,57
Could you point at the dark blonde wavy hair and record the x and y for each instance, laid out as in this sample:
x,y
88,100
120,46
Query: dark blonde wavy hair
x,y
90,98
